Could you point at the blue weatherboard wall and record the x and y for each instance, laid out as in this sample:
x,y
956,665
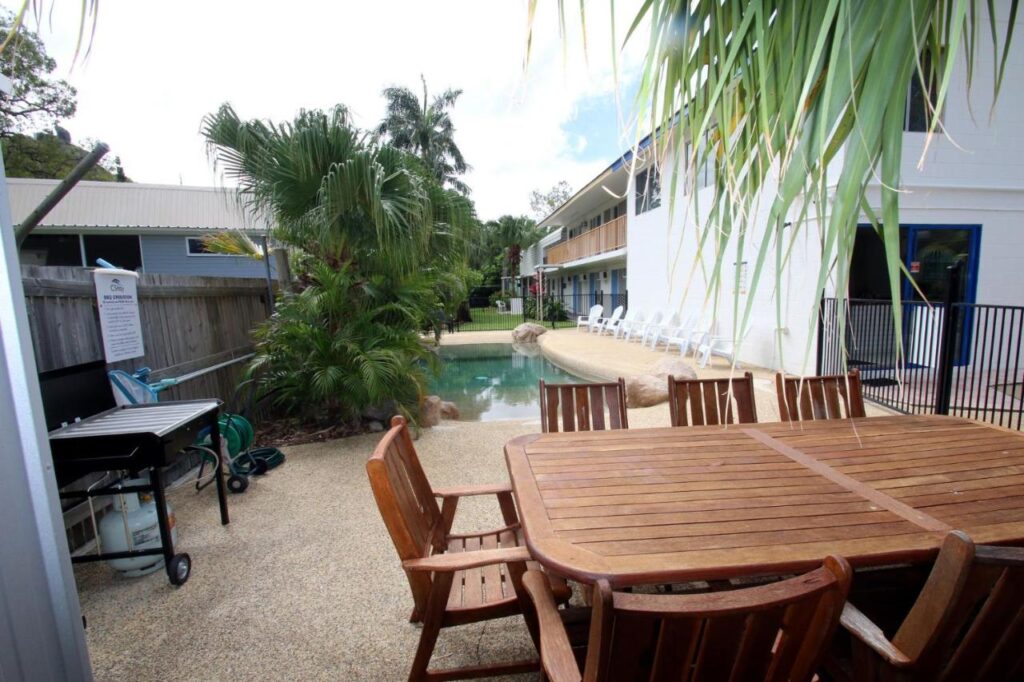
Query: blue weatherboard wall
x,y
165,254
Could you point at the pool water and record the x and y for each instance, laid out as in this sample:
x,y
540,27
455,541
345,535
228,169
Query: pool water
x,y
495,381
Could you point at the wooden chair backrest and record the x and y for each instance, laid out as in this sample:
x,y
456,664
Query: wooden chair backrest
x,y
699,402
836,396
968,622
583,407
406,502
771,632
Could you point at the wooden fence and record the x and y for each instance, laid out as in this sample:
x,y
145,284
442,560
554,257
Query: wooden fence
x,y
188,323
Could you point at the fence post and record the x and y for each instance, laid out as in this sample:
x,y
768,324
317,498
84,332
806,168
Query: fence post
x,y
819,365
948,340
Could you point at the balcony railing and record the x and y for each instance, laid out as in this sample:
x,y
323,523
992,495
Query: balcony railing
x,y
607,237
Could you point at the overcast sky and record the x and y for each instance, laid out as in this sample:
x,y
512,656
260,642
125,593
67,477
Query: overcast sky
x,y
156,69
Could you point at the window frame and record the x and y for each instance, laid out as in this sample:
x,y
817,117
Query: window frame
x,y
188,251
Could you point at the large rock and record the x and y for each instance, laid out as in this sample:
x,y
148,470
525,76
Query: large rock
x,y
430,411
449,410
644,390
527,332
381,413
676,367
530,350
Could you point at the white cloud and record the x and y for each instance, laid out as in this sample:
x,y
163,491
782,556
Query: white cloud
x,y
156,69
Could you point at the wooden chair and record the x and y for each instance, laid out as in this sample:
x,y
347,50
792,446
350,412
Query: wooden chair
x,y
699,402
967,623
455,578
773,632
824,397
582,406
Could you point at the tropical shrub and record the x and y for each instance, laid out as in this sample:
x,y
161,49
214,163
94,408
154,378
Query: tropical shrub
x,y
379,249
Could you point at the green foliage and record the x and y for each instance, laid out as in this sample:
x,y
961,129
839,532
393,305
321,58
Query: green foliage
x,y
508,236
37,100
544,204
378,248
772,90
328,355
554,310
47,156
426,130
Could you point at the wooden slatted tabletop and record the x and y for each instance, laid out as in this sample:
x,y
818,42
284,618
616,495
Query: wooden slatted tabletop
x,y
697,503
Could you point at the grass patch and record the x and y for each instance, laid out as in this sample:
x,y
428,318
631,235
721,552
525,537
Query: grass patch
x,y
489,319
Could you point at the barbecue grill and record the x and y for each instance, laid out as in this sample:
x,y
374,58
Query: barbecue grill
x,y
132,438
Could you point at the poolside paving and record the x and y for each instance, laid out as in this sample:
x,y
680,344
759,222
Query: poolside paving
x,y
304,584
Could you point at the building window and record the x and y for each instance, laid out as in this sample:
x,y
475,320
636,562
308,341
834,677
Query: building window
x,y
52,249
122,251
921,99
595,222
195,246
648,190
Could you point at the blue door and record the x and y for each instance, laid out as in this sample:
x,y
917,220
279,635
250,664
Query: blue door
x,y
615,284
576,294
927,251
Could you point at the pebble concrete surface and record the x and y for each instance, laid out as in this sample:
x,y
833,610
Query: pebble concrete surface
x,y
304,584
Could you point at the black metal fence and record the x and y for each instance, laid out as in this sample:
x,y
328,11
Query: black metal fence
x,y
962,359
556,311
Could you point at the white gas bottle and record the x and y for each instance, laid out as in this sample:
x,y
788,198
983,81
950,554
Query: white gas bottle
x,y
134,517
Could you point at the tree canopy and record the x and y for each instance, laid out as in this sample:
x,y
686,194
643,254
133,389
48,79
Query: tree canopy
x,y
37,99
379,247
425,128
543,204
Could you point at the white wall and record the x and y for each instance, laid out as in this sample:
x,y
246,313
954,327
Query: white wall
x,y
982,183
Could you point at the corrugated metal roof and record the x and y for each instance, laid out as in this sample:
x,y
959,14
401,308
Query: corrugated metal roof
x,y
94,205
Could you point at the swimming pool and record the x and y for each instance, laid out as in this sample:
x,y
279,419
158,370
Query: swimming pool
x,y
495,381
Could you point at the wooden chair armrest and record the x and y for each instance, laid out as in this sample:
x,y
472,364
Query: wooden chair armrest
x,y
556,655
865,631
458,561
471,490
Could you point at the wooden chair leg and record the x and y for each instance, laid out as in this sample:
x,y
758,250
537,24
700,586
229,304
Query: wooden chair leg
x,y
516,571
441,587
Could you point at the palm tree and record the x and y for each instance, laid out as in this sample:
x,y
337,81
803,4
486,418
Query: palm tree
x,y
380,246
509,235
426,130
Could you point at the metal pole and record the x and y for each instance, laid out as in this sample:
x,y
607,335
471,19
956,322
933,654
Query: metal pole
x,y
948,340
59,192
270,281
41,635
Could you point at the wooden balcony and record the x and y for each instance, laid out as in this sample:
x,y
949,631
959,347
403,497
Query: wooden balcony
x,y
601,239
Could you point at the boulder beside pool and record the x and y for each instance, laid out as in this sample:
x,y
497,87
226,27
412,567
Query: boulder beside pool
x,y
430,411
645,390
449,410
527,332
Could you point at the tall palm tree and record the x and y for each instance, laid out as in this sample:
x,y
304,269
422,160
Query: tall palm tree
x,y
380,244
426,130
509,235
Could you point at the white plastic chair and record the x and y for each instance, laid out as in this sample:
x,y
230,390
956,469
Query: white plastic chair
x,y
670,334
615,327
691,337
720,346
640,331
585,321
628,322
603,322
654,332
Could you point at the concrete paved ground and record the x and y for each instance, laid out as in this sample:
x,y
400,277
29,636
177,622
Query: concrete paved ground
x,y
304,584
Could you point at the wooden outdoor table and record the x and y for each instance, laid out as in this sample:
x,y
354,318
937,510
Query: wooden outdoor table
x,y
698,503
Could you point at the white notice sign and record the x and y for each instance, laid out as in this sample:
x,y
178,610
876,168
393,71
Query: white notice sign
x,y
118,298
